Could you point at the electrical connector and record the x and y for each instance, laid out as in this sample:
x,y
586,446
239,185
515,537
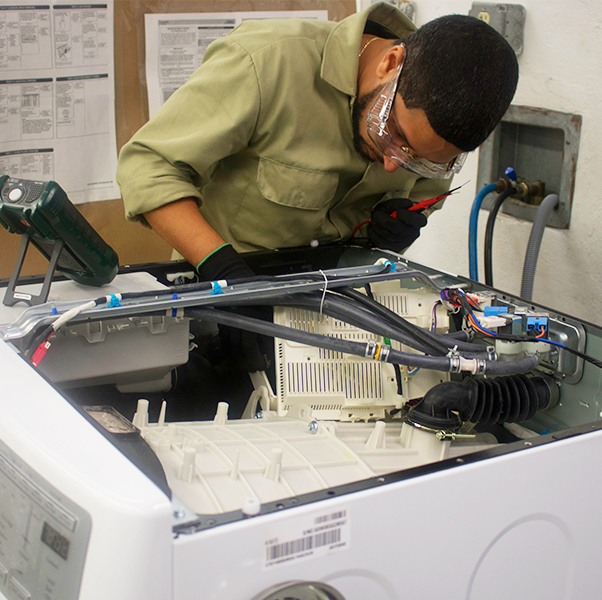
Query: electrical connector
x,y
494,311
491,321
538,324
40,352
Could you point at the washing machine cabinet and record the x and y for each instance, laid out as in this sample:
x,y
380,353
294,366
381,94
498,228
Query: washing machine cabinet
x,y
79,520
522,524
519,520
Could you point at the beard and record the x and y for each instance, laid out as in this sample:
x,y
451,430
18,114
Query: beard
x,y
358,119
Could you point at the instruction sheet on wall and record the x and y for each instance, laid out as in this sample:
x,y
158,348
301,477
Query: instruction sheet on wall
x,y
57,96
176,44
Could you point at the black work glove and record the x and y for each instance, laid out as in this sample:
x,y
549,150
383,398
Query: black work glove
x,y
243,348
397,232
224,263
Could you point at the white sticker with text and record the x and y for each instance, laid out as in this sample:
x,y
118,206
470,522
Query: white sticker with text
x,y
306,537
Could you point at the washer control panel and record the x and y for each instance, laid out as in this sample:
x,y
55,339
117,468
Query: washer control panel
x,y
43,535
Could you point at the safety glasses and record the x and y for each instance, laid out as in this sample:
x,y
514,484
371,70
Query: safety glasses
x,y
382,136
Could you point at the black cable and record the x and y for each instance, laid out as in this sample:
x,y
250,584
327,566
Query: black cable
x,y
206,285
394,318
436,363
212,315
398,380
489,233
42,335
442,341
343,309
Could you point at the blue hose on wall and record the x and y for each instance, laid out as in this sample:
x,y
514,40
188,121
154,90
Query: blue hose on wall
x,y
473,230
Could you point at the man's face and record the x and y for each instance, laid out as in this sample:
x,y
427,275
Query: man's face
x,y
358,118
409,128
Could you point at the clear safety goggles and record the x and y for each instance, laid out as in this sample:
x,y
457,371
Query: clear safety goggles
x,y
379,132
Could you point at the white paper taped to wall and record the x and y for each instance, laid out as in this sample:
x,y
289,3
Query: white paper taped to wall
x,y
57,96
176,44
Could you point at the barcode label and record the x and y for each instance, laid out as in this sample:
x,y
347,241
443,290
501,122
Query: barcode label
x,y
306,537
307,543
331,517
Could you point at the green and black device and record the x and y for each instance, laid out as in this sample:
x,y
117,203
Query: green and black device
x,y
42,214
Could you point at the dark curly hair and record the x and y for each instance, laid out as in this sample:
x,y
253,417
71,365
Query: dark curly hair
x,y
462,74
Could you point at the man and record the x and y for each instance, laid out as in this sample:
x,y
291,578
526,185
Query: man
x,y
286,134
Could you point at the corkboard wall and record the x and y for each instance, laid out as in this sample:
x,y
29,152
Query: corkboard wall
x,y
133,243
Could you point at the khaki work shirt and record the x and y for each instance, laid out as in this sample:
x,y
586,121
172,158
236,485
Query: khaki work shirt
x,y
262,136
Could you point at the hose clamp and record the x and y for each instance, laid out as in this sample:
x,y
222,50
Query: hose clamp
x,y
480,366
491,353
454,364
384,353
376,351
370,349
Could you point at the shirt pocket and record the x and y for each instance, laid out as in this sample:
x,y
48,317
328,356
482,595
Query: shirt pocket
x,y
294,187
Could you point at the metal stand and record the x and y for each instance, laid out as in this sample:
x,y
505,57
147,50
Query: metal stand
x,y
12,297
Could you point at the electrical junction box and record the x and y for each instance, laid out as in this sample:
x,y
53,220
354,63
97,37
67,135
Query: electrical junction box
x,y
507,19
540,145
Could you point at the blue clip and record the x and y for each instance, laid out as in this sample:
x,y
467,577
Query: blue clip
x,y
217,288
113,302
55,311
494,311
174,311
392,265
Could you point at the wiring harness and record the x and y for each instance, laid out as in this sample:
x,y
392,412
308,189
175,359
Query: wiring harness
x,y
450,353
458,299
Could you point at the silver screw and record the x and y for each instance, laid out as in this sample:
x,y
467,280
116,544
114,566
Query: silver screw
x,y
450,435
313,427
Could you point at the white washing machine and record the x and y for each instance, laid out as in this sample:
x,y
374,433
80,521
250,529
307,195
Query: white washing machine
x,y
517,520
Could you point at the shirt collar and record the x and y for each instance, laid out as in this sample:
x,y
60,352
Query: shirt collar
x,y
340,59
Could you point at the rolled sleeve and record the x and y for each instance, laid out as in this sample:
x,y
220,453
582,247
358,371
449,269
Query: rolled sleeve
x,y
209,118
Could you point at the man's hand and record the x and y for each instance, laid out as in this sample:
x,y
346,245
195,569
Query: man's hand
x,y
224,263
393,226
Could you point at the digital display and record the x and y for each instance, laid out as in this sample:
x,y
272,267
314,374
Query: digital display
x,y
55,541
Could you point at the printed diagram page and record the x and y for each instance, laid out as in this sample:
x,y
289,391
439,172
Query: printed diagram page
x,y
57,96
176,44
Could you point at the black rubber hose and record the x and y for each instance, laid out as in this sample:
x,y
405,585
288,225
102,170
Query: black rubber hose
x,y
489,233
212,315
351,312
394,318
485,401
436,363
343,309
447,341
438,408
512,368
441,339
